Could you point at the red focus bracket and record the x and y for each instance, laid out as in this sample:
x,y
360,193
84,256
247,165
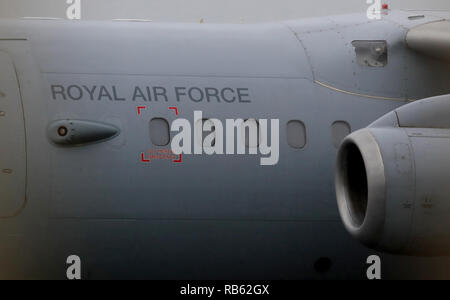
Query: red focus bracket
x,y
175,109
179,160
143,159
140,109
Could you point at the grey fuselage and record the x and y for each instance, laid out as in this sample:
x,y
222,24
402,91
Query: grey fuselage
x,y
209,217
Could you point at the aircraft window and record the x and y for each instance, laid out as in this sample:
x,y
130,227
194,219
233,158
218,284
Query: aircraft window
x,y
339,130
159,132
371,53
251,126
296,134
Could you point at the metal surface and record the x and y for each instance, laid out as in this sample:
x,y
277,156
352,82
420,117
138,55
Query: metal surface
x,y
432,39
80,132
209,217
12,138
410,190
368,226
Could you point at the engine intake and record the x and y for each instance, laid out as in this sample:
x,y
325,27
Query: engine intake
x,y
393,180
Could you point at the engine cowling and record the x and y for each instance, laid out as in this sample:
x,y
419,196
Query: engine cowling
x,y
393,180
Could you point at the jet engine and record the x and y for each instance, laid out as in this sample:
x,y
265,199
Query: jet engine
x,y
393,180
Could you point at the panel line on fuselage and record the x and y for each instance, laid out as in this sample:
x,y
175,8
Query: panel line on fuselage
x,y
181,75
361,95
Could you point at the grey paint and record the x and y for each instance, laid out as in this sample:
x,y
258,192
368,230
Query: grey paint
x,y
339,130
407,181
159,132
12,134
216,11
296,134
433,113
212,217
80,132
432,39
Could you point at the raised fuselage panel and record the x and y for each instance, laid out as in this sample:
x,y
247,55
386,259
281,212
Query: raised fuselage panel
x,y
12,136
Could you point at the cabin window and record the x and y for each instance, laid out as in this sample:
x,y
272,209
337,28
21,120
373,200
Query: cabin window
x,y
371,53
250,133
159,132
296,134
339,130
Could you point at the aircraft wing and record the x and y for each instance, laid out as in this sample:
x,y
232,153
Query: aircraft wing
x,y
432,39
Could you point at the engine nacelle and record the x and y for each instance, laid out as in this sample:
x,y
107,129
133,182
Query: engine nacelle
x,y
393,180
